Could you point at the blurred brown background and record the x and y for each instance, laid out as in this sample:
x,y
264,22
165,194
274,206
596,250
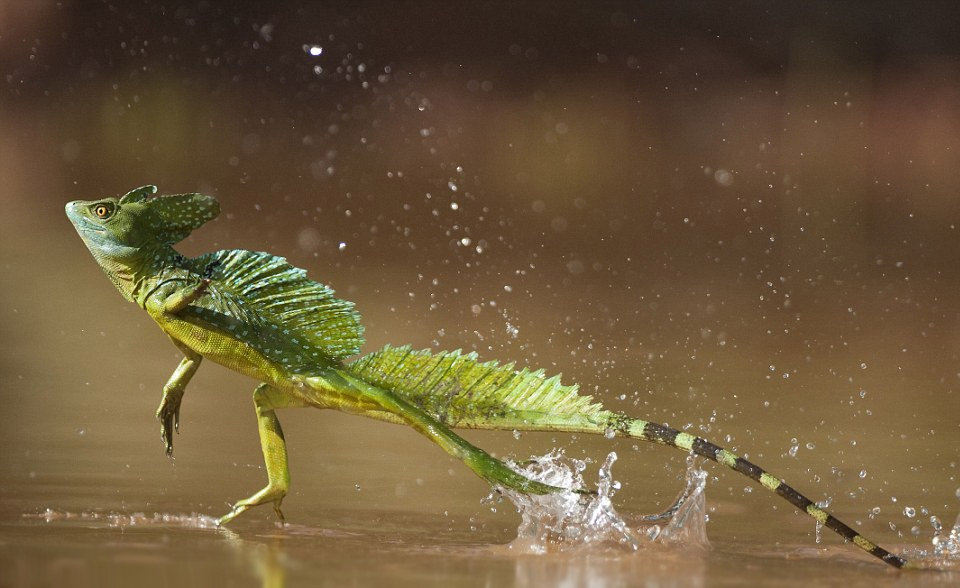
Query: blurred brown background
x,y
735,217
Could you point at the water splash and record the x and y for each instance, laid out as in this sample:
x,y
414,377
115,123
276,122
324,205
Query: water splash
x,y
949,546
944,553
136,519
569,521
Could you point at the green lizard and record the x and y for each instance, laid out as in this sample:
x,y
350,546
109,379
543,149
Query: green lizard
x,y
254,313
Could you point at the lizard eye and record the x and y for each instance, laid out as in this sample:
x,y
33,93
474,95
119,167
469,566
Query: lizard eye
x,y
103,211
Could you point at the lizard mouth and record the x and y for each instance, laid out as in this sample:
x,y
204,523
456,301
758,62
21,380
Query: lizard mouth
x,y
88,227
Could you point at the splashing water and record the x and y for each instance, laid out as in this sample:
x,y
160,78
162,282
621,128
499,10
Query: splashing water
x,y
136,519
568,521
945,554
949,546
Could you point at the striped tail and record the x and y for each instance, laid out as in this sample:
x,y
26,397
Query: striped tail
x,y
647,431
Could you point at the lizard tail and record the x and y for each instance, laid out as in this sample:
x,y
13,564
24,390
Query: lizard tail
x,y
624,426
459,391
657,433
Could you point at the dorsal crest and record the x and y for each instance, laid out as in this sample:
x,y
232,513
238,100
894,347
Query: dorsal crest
x,y
259,287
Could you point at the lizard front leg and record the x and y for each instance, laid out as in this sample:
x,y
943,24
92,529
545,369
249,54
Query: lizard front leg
x,y
183,297
169,411
267,399
170,298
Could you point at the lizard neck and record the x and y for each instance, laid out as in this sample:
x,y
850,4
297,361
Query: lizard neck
x,y
135,274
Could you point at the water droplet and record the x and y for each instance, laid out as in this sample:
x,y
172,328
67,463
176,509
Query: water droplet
x,y
909,512
723,177
309,239
936,524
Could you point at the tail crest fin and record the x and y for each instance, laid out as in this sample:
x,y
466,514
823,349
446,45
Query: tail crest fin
x,y
460,391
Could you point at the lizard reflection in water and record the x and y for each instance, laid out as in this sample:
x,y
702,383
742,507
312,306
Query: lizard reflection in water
x,y
254,313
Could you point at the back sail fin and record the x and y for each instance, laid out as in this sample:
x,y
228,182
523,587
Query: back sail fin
x,y
263,288
459,391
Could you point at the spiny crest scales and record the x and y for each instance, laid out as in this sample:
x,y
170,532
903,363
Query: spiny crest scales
x,y
459,390
307,317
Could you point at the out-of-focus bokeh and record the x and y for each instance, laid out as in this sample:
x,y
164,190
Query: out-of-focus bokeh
x,y
738,218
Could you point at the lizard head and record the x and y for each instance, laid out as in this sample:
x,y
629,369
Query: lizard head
x,y
119,231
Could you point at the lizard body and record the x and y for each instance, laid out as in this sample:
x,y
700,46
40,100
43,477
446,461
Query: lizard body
x,y
254,313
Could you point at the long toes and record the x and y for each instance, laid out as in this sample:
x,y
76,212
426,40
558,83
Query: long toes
x,y
167,437
234,512
262,497
226,518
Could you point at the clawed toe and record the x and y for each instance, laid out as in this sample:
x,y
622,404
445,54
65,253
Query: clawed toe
x,y
264,496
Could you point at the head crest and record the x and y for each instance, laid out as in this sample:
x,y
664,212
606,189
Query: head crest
x,y
174,217
138,194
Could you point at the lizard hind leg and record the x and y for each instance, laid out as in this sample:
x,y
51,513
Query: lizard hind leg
x,y
267,399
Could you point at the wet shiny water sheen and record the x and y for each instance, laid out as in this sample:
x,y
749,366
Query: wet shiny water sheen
x,y
437,535
395,547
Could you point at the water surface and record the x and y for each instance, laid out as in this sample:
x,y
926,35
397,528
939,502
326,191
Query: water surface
x,y
742,223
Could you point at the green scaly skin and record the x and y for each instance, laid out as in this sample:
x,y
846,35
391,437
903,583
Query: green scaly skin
x,y
254,314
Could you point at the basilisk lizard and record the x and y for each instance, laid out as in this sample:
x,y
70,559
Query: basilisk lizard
x,y
256,314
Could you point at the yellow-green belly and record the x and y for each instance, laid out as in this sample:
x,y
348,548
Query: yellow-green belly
x,y
225,350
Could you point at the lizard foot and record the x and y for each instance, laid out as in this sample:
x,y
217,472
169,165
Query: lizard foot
x,y
169,416
268,494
